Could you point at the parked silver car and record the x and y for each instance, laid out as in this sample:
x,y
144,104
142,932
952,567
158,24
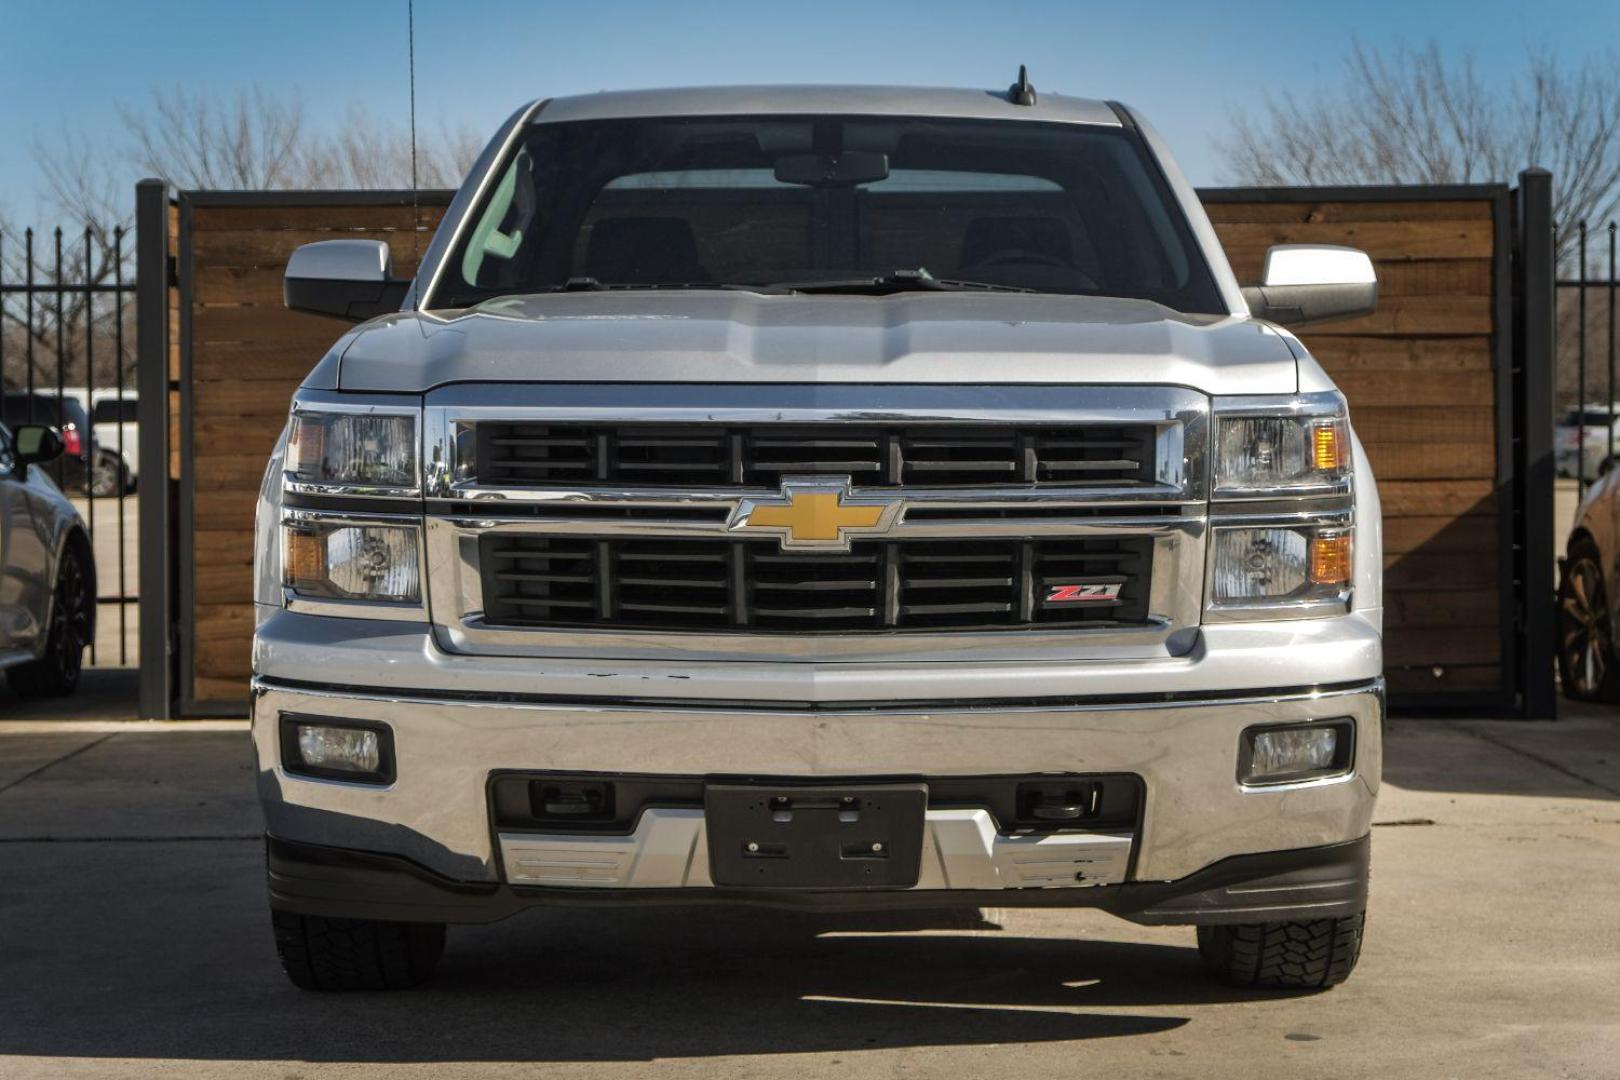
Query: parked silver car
x,y
47,574
1587,663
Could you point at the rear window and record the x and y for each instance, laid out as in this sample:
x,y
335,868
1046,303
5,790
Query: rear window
x,y
758,201
114,411
41,409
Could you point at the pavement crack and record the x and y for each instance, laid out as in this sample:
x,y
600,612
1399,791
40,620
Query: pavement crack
x,y
27,776
1540,760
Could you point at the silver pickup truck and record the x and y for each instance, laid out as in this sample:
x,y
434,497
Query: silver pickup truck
x,y
830,498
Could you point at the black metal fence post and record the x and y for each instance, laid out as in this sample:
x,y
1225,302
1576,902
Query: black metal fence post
x,y
152,381
1535,331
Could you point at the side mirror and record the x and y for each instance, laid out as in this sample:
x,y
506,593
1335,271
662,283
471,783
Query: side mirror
x,y
34,444
1306,283
347,279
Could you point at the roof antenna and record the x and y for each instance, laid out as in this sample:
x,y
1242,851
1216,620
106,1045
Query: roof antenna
x,y
1021,92
416,217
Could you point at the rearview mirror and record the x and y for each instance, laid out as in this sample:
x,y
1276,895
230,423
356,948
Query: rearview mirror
x,y
347,279
833,170
34,444
1306,283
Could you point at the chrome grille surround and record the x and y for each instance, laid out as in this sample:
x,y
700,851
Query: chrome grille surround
x,y
1169,511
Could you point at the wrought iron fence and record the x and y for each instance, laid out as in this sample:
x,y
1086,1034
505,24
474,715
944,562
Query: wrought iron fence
x,y
67,348
1587,441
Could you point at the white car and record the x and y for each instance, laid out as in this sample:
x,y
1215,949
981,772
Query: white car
x,y
113,423
1586,428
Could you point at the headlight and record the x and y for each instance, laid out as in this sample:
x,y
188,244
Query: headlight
x,y
1281,447
1279,566
353,452
351,562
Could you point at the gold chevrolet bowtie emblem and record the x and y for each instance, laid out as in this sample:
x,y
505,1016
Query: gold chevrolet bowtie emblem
x,y
815,512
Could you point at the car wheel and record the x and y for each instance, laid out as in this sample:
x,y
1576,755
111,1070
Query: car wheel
x,y
355,954
107,476
1310,955
57,672
1586,660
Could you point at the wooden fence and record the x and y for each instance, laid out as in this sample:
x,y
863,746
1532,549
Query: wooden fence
x,y
1427,376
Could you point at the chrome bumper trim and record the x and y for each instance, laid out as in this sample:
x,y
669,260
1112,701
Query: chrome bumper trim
x,y
961,850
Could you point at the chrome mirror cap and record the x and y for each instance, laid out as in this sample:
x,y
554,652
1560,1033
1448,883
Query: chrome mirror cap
x,y
347,279
1306,283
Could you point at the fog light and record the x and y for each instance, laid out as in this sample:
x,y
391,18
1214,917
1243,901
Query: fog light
x,y
340,751
1278,755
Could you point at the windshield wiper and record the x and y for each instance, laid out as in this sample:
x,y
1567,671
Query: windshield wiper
x,y
895,281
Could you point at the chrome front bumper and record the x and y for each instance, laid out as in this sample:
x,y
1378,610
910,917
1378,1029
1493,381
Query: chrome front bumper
x,y
456,721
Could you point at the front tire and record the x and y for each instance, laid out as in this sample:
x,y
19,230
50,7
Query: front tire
x,y
57,672
355,954
1586,662
1310,955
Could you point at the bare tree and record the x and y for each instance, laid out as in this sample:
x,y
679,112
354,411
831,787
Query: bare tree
x,y
261,140
254,140
1410,116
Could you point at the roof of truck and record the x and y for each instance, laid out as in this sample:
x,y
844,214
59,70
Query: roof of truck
x,y
821,100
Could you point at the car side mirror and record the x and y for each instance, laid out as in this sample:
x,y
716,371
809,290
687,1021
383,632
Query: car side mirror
x,y
34,444
1306,283
347,279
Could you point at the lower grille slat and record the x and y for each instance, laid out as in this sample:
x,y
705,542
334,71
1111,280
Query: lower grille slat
x,y
726,585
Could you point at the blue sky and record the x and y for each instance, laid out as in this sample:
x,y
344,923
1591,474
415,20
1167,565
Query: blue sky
x,y
65,66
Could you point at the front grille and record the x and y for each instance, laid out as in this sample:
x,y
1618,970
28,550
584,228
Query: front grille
x,y
725,585
543,454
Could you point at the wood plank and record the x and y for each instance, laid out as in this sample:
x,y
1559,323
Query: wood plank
x,y
229,695
225,584
283,218
228,509
1439,609
1352,352
1364,388
1440,315
1429,277
217,398
1438,571
1439,681
1316,213
236,323
1379,239
1451,425
1431,533
246,468
1417,647
224,659
1420,498
250,248
1432,461
266,359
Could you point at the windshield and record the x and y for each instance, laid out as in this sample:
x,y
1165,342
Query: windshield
x,y
780,201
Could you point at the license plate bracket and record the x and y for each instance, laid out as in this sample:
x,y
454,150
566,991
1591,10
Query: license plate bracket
x,y
844,836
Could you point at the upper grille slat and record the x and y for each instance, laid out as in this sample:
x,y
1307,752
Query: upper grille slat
x,y
731,585
539,454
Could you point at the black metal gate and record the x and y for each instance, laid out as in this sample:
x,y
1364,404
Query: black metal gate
x,y
67,358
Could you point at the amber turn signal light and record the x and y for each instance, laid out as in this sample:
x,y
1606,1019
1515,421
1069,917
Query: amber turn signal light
x,y
1330,559
306,557
1327,446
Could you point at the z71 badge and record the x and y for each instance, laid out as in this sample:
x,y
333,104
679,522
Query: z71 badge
x,y
1095,592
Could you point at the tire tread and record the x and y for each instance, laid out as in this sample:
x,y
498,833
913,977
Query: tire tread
x,y
355,954
1314,954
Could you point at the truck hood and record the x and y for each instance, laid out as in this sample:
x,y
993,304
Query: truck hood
x,y
701,336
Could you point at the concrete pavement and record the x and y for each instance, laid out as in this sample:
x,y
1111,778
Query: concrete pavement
x,y
134,942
